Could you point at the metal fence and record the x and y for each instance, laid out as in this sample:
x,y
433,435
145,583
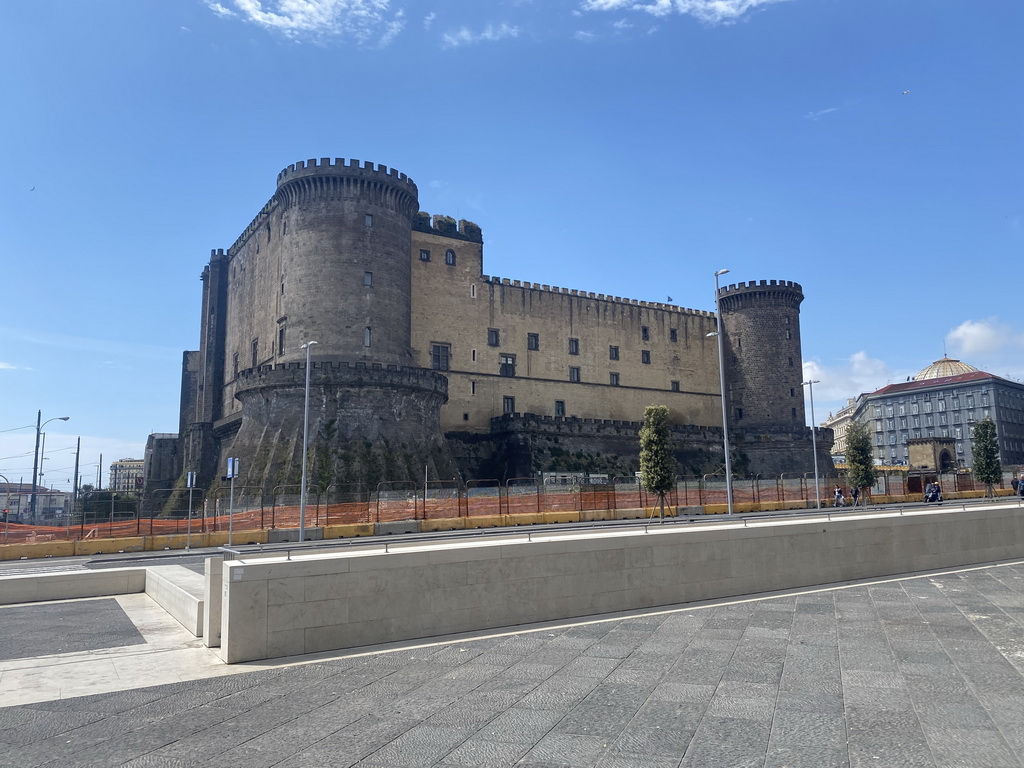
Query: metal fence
x,y
254,508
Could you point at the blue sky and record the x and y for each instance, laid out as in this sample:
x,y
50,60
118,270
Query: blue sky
x,y
871,150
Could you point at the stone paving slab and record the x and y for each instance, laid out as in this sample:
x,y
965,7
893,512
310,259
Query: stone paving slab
x,y
922,671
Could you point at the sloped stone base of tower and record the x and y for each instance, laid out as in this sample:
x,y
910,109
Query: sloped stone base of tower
x,y
367,424
782,451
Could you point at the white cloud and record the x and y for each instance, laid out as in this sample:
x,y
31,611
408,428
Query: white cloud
x,y
983,337
835,384
490,34
362,20
429,19
8,367
710,11
584,36
820,112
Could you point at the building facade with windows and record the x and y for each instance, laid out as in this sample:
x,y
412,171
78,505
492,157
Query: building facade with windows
x,y
127,475
944,400
425,362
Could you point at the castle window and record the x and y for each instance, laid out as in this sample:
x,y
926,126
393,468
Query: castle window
x,y
368,279
424,255
533,341
280,340
507,366
282,287
559,407
284,227
234,365
574,374
788,334
472,291
508,404
268,231
472,387
368,220
255,352
739,414
675,386
794,412
493,337
465,417
440,356
367,336
449,257
472,355
673,334
792,392
645,356
574,346
791,362
613,379
645,333
613,353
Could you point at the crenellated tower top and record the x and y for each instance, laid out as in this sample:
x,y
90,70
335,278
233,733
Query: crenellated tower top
x,y
773,292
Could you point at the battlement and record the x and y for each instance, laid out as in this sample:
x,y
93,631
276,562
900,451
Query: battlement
x,y
761,285
447,227
353,168
654,305
523,422
256,223
343,373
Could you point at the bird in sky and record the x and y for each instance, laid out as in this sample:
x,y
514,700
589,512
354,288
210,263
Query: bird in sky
x,y
33,189
905,93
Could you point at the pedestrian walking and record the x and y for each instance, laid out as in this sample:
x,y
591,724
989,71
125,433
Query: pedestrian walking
x,y
837,499
855,493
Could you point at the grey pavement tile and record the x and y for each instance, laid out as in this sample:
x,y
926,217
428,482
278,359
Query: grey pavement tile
x,y
520,726
559,693
757,710
867,678
655,741
909,755
149,761
422,745
618,695
792,729
809,756
566,749
877,699
669,714
625,760
600,720
670,689
832,703
483,752
970,746
592,666
44,629
755,672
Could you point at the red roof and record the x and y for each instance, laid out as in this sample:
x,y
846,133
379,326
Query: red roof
x,y
942,381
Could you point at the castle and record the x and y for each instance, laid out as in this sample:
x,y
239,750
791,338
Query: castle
x,y
424,364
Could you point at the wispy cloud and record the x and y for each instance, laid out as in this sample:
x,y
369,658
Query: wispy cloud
x,y
710,11
820,113
361,20
428,20
8,367
491,33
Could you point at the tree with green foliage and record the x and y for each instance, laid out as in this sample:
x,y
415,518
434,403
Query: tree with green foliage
x,y
860,462
657,462
985,448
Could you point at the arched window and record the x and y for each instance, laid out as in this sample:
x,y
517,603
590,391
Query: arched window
x,y
449,257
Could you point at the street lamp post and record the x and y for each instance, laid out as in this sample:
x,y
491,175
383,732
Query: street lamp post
x,y
721,382
814,441
35,464
305,447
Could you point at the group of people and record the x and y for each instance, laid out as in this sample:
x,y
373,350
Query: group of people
x,y
1018,486
932,492
839,500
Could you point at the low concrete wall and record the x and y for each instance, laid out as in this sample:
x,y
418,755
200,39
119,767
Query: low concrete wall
x,y
214,593
180,592
274,607
64,586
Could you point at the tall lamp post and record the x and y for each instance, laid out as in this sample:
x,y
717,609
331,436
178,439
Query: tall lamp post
x,y
721,382
308,346
814,441
35,464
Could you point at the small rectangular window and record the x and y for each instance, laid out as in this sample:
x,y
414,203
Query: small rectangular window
x,y
440,356
368,220
507,365
574,373
645,333
367,336
493,337
613,353
673,334
368,279
424,255
234,364
613,379
533,341
280,340
739,414
675,386
574,346
255,352
645,356
508,404
559,407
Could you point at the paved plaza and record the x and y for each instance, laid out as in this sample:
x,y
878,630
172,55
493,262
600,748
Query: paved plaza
x,y
926,670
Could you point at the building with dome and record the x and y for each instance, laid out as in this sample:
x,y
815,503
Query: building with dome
x,y
943,401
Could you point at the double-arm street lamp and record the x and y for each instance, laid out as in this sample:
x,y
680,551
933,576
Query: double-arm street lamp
x,y
308,346
814,441
721,383
35,463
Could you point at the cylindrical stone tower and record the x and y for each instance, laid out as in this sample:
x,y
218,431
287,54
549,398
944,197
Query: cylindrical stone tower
x,y
345,269
763,365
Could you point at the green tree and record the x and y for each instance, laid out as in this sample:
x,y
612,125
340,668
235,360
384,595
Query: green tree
x,y
985,448
860,463
657,463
